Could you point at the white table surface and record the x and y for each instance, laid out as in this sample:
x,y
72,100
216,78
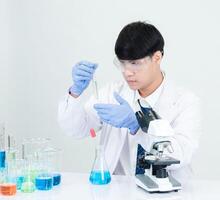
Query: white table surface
x,y
77,186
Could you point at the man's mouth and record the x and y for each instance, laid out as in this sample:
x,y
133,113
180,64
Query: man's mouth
x,y
131,81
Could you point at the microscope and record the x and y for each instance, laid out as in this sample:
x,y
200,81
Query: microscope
x,y
154,163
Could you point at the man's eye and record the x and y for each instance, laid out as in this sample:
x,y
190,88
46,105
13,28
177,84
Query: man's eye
x,y
133,63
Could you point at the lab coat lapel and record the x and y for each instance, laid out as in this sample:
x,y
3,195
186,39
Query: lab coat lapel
x,y
167,101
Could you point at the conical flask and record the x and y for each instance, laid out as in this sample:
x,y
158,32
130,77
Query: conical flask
x,y
100,174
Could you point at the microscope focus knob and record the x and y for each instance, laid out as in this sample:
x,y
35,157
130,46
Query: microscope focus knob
x,y
161,173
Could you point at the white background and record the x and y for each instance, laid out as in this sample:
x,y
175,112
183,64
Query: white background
x,y
41,40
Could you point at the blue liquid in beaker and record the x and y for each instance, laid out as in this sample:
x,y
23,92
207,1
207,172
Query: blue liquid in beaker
x,y
44,182
56,179
100,178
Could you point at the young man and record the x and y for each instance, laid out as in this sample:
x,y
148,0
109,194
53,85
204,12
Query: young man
x,y
139,51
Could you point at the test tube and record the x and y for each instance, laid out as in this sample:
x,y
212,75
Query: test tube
x,y
2,146
95,88
96,94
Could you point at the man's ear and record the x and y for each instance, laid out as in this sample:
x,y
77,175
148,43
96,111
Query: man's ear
x,y
157,57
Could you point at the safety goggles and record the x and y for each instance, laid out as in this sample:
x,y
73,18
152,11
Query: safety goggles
x,y
131,65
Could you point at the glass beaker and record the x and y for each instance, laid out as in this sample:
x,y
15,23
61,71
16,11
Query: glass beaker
x,y
8,189
44,179
8,185
54,163
31,151
100,174
32,146
51,161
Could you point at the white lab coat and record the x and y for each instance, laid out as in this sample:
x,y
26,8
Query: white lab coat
x,y
179,107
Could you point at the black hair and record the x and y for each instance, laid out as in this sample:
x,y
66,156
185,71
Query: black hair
x,y
137,40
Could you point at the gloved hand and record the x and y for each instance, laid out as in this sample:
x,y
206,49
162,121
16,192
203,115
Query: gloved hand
x,y
118,116
82,74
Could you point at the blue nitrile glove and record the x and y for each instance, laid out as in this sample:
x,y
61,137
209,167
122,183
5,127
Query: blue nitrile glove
x,y
120,116
82,74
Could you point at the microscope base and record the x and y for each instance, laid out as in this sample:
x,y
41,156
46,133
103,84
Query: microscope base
x,y
153,184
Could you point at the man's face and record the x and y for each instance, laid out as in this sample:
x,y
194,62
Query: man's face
x,y
141,73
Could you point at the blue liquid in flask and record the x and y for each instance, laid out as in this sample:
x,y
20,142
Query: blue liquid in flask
x,y
56,179
100,178
44,182
19,181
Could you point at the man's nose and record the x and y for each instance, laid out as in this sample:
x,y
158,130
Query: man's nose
x,y
128,72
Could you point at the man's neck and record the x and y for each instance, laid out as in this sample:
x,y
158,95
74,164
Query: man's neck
x,y
152,87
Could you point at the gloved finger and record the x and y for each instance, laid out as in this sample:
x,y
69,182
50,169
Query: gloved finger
x,y
100,106
104,116
106,121
87,63
85,68
119,99
83,73
94,67
81,78
112,123
91,66
104,112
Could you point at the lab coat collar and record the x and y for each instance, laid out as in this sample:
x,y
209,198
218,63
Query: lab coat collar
x,y
152,98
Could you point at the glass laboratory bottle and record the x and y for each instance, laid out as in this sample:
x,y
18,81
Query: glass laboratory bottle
x,y
100,174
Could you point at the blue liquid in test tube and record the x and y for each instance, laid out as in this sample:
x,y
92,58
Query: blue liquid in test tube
x,y
2,159
100,178
44,182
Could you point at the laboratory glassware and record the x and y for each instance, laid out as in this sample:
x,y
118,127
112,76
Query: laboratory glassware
x,y
2,146
100,174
